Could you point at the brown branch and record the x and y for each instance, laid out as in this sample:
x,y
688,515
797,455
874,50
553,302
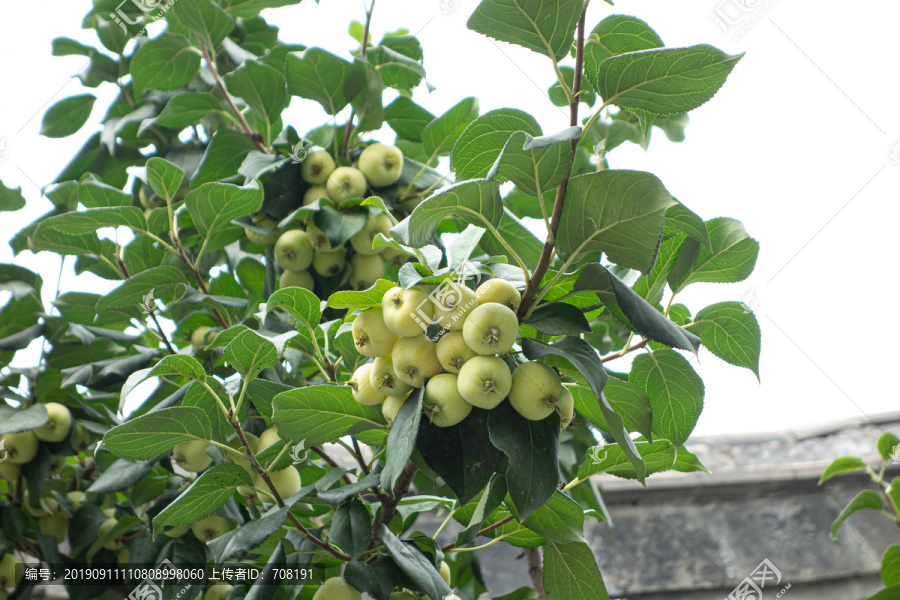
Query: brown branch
x,y
389,504
536,571
348,127
359,457
499,523
162,334
324,455
547,253
637,346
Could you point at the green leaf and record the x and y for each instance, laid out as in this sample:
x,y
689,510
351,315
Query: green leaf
x,y
544,27
890,566
121,475
681,219
322,413
351,528
530,161
627,400
164,64
558,318
262,88
94,194
620,213
402,439
532,447
178,364
866,499
407,118
204,18
343,493
570,572
659,456
204,497
370,298
462,454
675,390
214,205
164,177
270,579
251,534
89,221
247,9
632,310
396,70
614,35
558,96
479,146
731,259
419,569
128,297
730,331
560,520
518,236
368,104
441,134
67,116
889,593
152,434
664,81
476,202
490,499
16,421
11,199
186,109
889,446
224,156
249,353
839,466
321,76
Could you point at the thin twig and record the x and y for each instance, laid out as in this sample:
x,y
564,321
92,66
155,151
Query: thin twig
x,y
324,455
637,346
499,523
389,504
162,334
348,126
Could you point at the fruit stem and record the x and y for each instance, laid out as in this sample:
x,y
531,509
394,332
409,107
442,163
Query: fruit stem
x,y
444,524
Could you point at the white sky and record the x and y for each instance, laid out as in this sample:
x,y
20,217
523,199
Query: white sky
x,y
797,145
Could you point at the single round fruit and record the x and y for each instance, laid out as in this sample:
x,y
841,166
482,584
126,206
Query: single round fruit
x,y
201,337
391,407
407,312
56,526
191,456
381,164
491,329
361,384
453,352
264,239
211,527
484,381
366,270
499,291
363,239
301,279
287,482
10,471
345,183
57,427
566,408
318,238
329,264
536,390
442,401
314,193
453,304
20,447
415,359
336,589
9,575
444,570
268,437
316,167
384,379
177,531
371,335
81,439
106,527
218,591
77,499
393,256
293,250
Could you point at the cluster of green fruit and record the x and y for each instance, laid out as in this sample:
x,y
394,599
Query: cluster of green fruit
x,y
17,449
296,250
337,588
9,574
463,368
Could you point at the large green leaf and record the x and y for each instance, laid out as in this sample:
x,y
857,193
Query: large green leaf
x,y
321,76
187,108
152,434
322,413
127,299
11,199
215,205
620,213
416,566
675,391
249,353
730,258
571,573
262,88
538,162
844,464
652,286
616,34
664,81
532,447
121,475
402,439
204,497
67,116
351,528
164,177
541,26
368,104
15,421
476,202
205,19
681,219
628,400
441,134
253,533
165,63
560,520
890,566
730,331
865,500
396,70
407,118
479,146
223,158
659,456
370,298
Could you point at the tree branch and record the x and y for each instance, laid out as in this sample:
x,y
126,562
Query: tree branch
x,y
536,571
389,504
547,253
324,455
499,523
637,346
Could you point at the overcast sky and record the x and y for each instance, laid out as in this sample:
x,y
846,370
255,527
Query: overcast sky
x,y
797,145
